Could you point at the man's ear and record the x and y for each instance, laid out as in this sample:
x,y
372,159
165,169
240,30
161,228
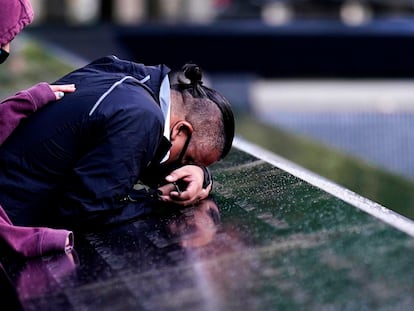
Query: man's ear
x,y
181,128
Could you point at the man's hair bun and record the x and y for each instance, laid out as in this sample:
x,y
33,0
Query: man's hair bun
x,y
193,73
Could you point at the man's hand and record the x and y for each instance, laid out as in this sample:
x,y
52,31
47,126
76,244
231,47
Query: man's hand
x,y
193,176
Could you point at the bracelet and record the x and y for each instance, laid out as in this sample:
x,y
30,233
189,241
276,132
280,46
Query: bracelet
x,y
208,178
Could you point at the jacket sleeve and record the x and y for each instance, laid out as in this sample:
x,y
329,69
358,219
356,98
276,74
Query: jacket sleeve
x,y
33,241
17,107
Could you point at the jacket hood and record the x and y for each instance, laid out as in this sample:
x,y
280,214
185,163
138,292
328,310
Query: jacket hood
x,y
14,16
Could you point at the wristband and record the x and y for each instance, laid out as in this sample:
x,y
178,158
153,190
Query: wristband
x,y
208,178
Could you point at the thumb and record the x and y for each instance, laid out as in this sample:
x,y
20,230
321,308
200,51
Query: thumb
x,y
176,175
171,177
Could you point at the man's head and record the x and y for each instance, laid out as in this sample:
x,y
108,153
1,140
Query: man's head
x,y
202,121
14,16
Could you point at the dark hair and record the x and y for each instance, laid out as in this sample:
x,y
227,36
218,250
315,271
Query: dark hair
x,y
194,86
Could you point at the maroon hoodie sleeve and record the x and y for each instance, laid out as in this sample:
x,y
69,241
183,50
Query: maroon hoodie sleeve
x,y
33,241
21,105
28,241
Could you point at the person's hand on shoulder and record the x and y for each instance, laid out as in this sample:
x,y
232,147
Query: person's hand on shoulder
x,y
193,177
60,90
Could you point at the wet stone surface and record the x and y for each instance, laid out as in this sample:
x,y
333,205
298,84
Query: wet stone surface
x,y
266,240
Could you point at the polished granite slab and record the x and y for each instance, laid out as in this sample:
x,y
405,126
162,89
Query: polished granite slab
x,y
390,190
265,240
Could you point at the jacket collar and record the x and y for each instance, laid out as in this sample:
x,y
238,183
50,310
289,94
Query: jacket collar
x,y
165,104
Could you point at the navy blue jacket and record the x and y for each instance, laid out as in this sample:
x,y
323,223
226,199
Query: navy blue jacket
x,y
75,161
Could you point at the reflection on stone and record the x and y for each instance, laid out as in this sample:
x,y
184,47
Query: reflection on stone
x,y
195,226
8,291
43,275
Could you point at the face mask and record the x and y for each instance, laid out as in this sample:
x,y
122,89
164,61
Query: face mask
x,y
187,142
155,173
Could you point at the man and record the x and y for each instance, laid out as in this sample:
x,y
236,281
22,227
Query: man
x,y
76,163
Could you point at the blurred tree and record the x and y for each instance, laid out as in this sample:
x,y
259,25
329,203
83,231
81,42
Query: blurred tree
x,y
107,7
55,11
153,9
